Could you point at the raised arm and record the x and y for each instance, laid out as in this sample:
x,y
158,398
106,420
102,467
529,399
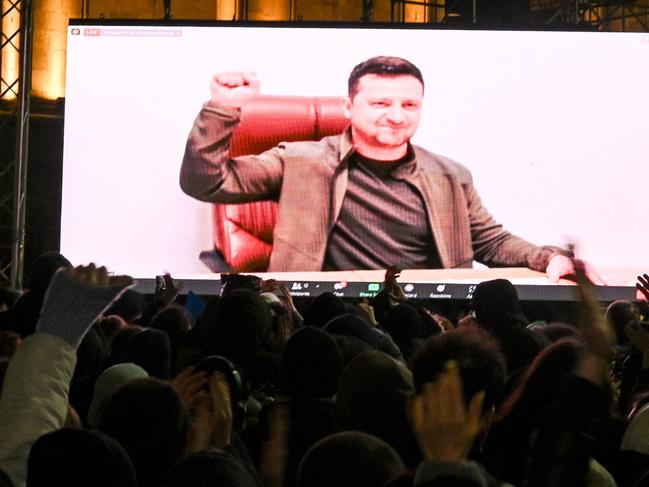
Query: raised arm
x,y
35,393
207,172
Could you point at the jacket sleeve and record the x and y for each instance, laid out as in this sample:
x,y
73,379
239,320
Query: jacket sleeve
x,y
34,399
496,247
208,173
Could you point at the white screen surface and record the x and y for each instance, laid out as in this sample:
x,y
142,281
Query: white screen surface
x,y
552,126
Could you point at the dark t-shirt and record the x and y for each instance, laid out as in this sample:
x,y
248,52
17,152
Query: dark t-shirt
x,y
383,220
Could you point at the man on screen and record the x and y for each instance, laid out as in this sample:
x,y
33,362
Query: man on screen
x,y
367,199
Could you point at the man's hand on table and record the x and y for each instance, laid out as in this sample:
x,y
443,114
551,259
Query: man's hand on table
x,y
561,266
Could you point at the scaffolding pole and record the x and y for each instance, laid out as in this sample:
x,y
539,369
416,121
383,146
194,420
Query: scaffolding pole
x,y
602,15
15,86
606,15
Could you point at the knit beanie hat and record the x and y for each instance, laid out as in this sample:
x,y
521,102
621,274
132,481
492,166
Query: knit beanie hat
x,y
108,382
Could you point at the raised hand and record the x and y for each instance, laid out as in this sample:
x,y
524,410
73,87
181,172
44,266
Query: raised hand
x,y
271,285
233,90
469,321
597,335
213,416
365,309
170,291
97,277
189,384
391,286
444,323
444,427
561,266
289,317
643,285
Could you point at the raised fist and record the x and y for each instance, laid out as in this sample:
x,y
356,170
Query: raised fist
x,y
232,90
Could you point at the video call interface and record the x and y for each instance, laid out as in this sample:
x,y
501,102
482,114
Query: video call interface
x,y
551,125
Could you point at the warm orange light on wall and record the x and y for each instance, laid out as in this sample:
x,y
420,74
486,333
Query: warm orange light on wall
x,y
269,10
253,10
420,11
50,37
228,10
425,13
10,68
416,13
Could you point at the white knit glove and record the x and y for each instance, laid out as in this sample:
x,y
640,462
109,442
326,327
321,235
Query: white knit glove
x,y
76,298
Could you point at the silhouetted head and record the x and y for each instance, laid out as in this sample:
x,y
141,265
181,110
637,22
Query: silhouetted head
x,y
311,364
556,331
242,325
480,361
406,326
496,305
129,306
323,309
546,378
208,469
151,350
79,458
149,420
349,459
353,325
108,382
618,314
174,320
372,397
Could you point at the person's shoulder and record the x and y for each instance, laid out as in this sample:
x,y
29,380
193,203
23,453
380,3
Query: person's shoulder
x,y
429,161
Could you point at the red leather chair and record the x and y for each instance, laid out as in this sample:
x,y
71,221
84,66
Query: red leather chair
x,y
243,234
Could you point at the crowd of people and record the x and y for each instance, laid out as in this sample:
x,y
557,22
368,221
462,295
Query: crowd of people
x,y
103,386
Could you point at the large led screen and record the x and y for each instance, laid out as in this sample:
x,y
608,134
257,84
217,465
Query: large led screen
x,y
548,130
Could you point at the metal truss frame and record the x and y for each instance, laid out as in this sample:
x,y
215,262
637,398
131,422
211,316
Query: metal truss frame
x,y
14,132
604,15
